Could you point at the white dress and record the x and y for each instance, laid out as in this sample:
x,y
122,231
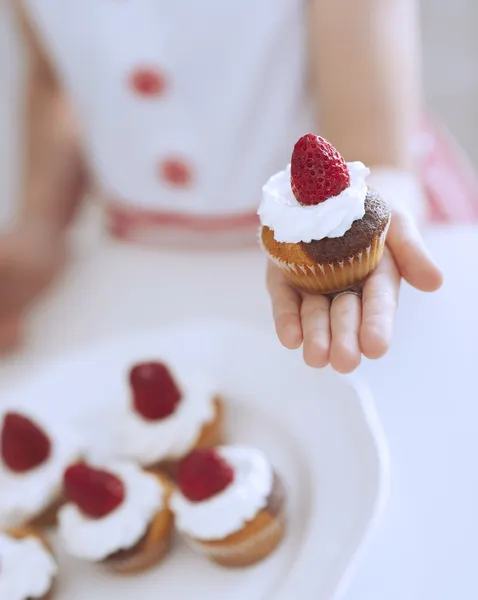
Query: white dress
x,y
187,106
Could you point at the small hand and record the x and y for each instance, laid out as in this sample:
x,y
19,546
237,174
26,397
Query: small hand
x,y
29,260
340,332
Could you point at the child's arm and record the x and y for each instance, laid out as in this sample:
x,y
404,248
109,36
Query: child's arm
x,y
54,177
365,61
366,73
54,181
365,67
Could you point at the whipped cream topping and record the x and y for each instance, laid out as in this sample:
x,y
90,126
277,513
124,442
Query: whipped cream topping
x,y
27,569
293,223
26,495
96,539
150,442
228,511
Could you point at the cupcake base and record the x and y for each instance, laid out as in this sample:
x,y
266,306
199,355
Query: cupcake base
x,y
334,276
253,544
153,546
333,265
256,540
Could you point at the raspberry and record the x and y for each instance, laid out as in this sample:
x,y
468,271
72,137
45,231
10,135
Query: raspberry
x,y
24,445
96,493
155,393
203,474
318,172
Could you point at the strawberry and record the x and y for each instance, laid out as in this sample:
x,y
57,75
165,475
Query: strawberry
x,y
203,474
155,393
96,493
24,445
318,172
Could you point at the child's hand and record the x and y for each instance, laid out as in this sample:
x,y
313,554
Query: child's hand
x,y
339,332
29,260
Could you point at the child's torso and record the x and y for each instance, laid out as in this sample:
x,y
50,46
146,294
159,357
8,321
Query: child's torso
x,y
186,106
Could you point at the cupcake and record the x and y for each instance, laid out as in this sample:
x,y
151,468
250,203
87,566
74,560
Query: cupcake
x,y
33,459
27,566
230,505
118,516
168,415
321,224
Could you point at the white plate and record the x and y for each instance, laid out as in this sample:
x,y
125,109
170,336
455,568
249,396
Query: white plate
x,y
320,430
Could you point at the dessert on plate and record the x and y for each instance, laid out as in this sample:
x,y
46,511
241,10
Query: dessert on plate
x,y
117,515
230,505
321,223
169,414
27,566
33,457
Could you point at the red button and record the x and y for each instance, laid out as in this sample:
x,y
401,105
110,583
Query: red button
x,y
147,82
176,172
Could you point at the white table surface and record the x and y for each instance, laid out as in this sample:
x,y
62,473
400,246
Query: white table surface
x,y
426,547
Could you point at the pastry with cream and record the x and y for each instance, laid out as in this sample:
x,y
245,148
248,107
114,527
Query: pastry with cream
x,y
169,414
117,515
33,457
27,567
230,505
321,223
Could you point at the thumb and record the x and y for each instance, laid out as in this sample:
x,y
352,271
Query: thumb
x,y
411,254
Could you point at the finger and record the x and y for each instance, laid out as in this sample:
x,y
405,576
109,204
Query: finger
x,y
15,291
411,255
286,302
379,306
11,333
345,317
315,316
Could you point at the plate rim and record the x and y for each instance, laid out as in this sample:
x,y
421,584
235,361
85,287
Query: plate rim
x,y
367,401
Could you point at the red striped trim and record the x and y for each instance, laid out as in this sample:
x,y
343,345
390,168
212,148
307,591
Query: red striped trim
x,y
124,220
449,180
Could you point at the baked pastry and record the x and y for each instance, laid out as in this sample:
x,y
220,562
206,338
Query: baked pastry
x,y
321,224
33,458
118,516
27,566
168,415
230,505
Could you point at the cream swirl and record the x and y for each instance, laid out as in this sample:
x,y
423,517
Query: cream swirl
x,y
96,539
228,511
27,569
26,495
150,442
293,223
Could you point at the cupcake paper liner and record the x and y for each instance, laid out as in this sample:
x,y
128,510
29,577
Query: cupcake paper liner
x,y
335,276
